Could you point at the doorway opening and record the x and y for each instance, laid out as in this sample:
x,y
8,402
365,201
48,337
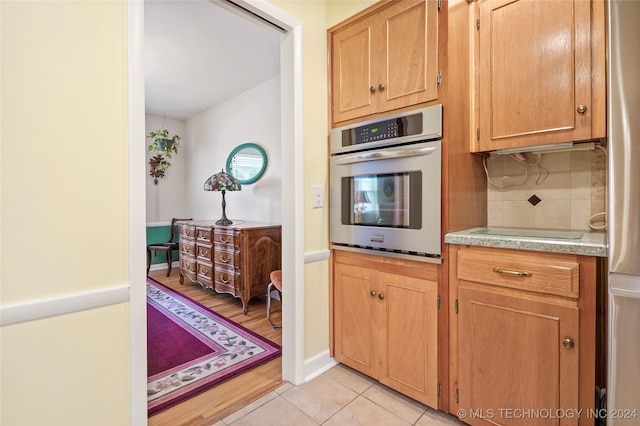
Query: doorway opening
x,y
292,197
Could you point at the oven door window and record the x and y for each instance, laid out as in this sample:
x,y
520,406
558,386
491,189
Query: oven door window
x,y
389,200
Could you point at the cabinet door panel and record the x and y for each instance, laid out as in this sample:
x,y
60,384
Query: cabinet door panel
x,y
512,356
534,68
356,318
408,54
353,71
408,336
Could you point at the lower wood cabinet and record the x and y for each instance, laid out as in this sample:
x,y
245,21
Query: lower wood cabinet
x,y
525,338
385,321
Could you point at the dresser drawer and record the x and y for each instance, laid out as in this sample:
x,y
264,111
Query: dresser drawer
x,y
225,236
187,231
227,277
523,270
188,267
226,255
205,270
203,235
203,252
187,248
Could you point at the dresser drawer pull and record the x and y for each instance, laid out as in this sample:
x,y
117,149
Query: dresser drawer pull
x,y
225,281
516,273
223,260
225,240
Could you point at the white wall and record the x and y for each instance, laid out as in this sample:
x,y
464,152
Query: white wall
x,y
167,199
252,116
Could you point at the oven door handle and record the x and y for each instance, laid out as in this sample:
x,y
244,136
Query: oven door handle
x,y
384,155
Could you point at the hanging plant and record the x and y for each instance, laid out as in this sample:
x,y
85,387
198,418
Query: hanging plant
x,y
162,147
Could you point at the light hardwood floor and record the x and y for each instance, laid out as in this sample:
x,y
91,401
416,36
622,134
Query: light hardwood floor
x,y
214,404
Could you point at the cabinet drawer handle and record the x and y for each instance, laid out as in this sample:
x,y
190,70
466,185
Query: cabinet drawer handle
x,y
582,109
223,280
223,260
568,343
381,87
373,293
381,296
372,89
225,240
516,273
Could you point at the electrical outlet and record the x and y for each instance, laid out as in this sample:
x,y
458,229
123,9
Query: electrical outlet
x,y
316,196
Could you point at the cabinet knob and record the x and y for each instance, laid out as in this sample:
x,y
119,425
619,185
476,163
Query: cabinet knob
x,y
568,343
373,293
372,89
381,87
381,296
582,109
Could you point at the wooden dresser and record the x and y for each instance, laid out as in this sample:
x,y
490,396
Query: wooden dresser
x,y
235,259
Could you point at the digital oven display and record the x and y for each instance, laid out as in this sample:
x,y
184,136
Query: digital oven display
x,y
383,130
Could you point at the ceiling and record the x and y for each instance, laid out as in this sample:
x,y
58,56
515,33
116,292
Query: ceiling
x,y
197,54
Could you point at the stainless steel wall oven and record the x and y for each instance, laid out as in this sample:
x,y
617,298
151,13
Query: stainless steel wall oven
x,y
385,185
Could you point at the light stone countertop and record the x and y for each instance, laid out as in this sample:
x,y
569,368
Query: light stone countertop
x,y
591,243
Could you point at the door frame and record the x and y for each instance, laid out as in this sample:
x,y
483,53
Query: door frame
x,y
292,190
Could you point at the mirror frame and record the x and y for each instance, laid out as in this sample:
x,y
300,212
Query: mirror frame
x,y
239,148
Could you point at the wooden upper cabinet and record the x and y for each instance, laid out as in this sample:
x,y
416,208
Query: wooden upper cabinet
x,y
540,72
385,60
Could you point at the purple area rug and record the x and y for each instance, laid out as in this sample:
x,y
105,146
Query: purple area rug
x,y
190,348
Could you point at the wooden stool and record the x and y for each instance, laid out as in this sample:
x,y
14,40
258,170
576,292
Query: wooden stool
x,y
276,281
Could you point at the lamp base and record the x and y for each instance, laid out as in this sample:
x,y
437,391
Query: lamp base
x,y
224,221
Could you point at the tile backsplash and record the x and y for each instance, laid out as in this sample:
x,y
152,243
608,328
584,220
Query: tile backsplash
x,y
563,192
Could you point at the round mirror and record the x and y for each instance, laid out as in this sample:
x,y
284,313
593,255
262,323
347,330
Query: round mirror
x,y
247,163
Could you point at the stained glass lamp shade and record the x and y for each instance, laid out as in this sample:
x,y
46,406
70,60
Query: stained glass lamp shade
x,y
222,182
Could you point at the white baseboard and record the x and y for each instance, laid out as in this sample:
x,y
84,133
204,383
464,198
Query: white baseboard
x,y
315,366
161,266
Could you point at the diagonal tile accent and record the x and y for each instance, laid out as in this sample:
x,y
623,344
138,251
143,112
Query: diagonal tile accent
x,y
363,412
320,398
278,411
352,379
406,408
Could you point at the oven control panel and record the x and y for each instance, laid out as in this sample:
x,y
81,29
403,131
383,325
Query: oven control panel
x,y
411,126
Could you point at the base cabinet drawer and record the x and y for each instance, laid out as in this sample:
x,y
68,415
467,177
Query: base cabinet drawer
x,y
559,275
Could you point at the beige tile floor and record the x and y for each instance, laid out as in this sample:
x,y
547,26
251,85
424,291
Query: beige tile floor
x,y
339,397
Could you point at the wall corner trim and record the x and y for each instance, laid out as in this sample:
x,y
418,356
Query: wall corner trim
x,y
44,308
316,256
